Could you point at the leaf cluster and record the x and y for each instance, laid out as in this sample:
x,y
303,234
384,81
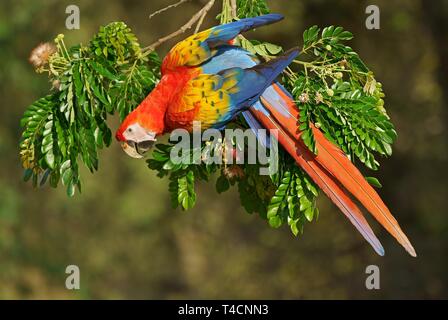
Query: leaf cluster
x,y
109,75
251,8
337,92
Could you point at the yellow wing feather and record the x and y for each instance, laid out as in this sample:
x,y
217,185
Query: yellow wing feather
x,y
206,99
189,52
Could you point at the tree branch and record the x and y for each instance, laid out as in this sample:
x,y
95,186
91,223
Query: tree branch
x,y
233,8
201,20
197,16
167,8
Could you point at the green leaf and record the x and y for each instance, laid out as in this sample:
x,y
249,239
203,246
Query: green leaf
x,y
296,226
272,48
275,221
222,184
309,212
310,35
102,70
186,196
71,189
374,182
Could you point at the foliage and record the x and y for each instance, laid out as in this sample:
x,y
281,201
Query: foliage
x,y
294,201
109,75
339,94
332,86
182,176
251,8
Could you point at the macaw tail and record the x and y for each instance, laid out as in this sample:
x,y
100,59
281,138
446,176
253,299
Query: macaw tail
x,y
330,169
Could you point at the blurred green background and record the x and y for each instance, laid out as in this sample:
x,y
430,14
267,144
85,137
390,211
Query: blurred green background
x,y
127,241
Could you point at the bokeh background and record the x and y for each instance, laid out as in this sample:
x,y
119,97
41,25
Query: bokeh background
x,y
129,243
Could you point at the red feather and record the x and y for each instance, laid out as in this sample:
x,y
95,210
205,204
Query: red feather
x,y
332,160
152,111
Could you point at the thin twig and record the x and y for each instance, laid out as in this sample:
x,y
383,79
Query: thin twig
x,y
233,9
182,29
167,8
198,26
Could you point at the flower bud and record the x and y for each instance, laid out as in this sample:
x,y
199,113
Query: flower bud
x,y
343,63
304,97
59,37
319,98
338,75
56,84
233,172
40,56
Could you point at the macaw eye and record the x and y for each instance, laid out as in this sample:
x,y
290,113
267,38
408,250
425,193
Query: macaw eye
x,y
129,129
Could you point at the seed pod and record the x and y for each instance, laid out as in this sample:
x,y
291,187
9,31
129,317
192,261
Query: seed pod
x,y
338,75
304,97
56,84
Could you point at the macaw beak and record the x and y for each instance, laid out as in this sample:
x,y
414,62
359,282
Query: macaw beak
x,y
137,150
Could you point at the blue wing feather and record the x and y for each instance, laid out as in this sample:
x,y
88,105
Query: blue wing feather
x,y
226,32
254,81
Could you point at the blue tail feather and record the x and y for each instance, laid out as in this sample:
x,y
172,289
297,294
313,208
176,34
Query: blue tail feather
x,y
227,32
255,126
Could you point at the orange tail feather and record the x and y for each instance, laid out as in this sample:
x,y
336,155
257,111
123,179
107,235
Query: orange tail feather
x,y
326,182
335,162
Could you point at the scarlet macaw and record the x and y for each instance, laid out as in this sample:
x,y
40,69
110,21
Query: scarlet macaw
x,y
206,79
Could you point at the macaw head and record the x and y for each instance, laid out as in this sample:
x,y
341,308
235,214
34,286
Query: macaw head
x,y
138,132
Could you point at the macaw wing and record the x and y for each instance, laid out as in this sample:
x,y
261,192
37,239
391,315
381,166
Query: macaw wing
x,y
198,48
214,99
206,98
